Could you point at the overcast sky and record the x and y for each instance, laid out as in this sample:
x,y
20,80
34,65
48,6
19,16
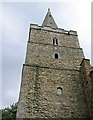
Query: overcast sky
x,y
16,20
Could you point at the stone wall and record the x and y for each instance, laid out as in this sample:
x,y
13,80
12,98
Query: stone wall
x,y
41,51
40,96
46,37
91,75
87,77
52,88
43,55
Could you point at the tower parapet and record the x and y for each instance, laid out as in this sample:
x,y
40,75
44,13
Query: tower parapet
x,y
52,29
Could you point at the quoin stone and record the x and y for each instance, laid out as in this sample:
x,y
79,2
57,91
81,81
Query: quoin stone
x,y
56,80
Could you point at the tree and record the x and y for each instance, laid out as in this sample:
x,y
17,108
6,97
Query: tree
x,y
9,112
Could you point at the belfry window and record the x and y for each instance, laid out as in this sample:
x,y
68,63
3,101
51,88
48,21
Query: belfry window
x,y
55,41
59,91
56,55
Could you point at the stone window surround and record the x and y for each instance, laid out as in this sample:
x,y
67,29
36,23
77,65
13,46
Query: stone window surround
x,y
55,41
59,90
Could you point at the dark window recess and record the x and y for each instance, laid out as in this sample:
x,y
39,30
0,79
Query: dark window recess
x,y
56,41
87,82
49,15
53,41
56,55
72,114
59,88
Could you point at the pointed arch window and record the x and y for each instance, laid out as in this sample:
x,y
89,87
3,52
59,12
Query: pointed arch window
x,y
56,55
55,41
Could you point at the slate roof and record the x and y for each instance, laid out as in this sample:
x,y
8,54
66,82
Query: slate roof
x,y
49,20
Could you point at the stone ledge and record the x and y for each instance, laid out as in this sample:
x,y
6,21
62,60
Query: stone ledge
x,y
50,67
53,45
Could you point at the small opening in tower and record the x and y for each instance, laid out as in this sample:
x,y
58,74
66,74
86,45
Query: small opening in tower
x,y
56,55
72,114
86,82
55,41
49,15
59,91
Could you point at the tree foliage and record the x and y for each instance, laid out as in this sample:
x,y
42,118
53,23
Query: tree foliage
x,y
9,112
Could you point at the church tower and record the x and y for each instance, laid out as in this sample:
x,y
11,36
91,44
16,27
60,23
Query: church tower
x,y
51,85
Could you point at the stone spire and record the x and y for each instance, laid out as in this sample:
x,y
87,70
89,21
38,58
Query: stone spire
x,y
49,21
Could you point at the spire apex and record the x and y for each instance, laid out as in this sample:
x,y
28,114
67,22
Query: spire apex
x,y
48,9
49,21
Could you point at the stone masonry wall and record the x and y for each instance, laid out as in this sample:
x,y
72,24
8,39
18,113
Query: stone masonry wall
x,y
40,50
46,37
43,75
91,74
43,55
40,96
88,83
